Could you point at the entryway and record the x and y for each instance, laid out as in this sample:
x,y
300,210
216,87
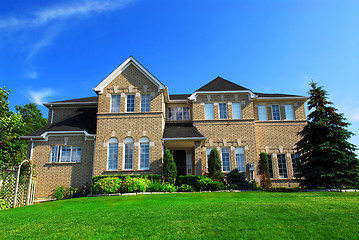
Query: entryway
x,y
179,157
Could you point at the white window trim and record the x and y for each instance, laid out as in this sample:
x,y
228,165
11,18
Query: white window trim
x,y
241,116
266,112
219,110
111,103
189,113
139,154
286,166
59,154
206,111
229,159
124,154
244,156
134,103
293,113
141,102
280,117
108,154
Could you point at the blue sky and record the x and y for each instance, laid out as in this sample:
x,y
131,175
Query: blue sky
x,y
57,50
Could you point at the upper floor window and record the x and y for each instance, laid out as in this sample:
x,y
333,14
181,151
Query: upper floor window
x,y
289,112
236,110
112,158
282,166
65,154
223,111
270,165
145,103
178,113
128,155
144,153
209,113
275,112
130,103
262,113
240,161
226,160
115,103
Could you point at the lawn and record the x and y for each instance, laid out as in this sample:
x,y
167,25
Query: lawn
x,y
243,215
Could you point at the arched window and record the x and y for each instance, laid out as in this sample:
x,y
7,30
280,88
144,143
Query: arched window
x,y
144,153
112,157
128,156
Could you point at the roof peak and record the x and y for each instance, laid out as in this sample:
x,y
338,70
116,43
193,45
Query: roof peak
x,y
220,84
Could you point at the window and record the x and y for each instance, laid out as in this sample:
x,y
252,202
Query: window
x,y
178,113
130,103
145,103
189,162
112,154
115,103
240,162
282,166
223,111
209,114
295,163
289,113
144,153
270,165
208,153
236,110
226,160
275,112
128,158
262,113
65,154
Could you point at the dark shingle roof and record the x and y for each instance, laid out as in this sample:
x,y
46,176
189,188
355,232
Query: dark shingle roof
x,y
84,119
179,96
279,95
76,100
181,130
220,84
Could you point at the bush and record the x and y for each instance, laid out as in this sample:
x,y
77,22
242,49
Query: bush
x,y
215,186
129,185
71,192
185,188
199,183
106,185
283,189
161,187
263,168
237,180
215,166
151,177
169,168
3,204
254,185
60,193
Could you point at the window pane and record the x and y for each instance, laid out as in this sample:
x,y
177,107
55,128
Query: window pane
x,y
270,165
179,113
208,152
282,166
115,103
240,162
209,114
236,109
144,155
145,102
130,103
262,113
226,163
54,154
295,163
186,115
112,156
65,154
275,112
129,156
76,154
189,162
223,111
171,114
289,113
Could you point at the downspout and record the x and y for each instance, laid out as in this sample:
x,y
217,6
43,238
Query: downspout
x,y
32,149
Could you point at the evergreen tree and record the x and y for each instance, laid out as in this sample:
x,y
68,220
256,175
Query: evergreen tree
x,y
263,168
215,166
169,168
326,158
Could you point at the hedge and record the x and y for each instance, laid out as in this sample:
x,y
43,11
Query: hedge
x,y
151,177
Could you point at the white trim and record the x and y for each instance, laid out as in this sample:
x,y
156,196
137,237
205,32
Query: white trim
x,y
282,98
131,60
280,117
195,94
32,149
45,135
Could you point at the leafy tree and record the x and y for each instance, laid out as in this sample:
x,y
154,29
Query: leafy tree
x,y
264,171
326,158
169,168
215,166
12,149
32,117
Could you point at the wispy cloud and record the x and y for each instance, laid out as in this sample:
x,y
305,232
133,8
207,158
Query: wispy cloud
x,y
61,12
40,95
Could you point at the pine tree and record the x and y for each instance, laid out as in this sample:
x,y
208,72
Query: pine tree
x,y
326,158
215,166
169,168
263,168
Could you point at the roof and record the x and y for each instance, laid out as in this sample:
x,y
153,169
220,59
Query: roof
x,y
84,119
274,95
76,100
179,96
220,84
181,130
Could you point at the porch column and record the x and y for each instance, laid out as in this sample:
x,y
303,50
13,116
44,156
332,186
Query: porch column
x,y
198,158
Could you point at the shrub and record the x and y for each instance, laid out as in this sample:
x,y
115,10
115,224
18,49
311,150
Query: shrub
x,y
3,204
161,187
236,178
151,177
106,185
185,188
71,192
283,189
215,166
254,185
60,193
129,185
169,168
199,183
215,186
263,168
202,183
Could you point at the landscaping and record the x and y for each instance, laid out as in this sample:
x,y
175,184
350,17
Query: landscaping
x,y
220,215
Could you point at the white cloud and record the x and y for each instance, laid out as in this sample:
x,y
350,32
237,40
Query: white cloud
x,y
39,96
54,13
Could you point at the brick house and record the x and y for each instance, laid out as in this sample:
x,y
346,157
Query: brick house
x,y
133,118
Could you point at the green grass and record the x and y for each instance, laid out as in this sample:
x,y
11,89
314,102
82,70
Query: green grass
x,y
244,215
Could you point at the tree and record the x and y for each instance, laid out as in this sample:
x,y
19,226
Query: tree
x,y
215,166
326,158
32,117
169,168
237,180
264,171
12,149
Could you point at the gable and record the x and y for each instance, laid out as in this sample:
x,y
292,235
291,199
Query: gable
x,y
131,61
221,84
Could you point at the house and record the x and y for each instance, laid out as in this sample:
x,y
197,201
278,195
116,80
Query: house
x,y
133,118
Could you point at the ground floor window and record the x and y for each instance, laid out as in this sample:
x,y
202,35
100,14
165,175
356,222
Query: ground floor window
x,y
65,154
240,161
112,154
144,153
295,163
226,160
270,165
282,166
128,155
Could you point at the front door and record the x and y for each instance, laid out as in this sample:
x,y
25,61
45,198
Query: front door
x,y
179,157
